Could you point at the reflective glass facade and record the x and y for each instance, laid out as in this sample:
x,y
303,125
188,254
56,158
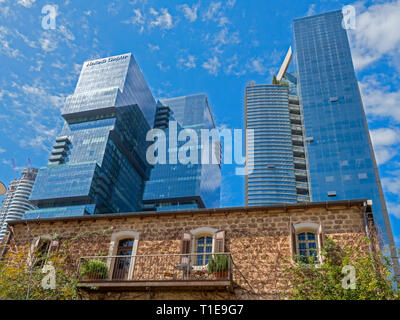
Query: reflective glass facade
x,y
183,186
98,162
341,159
15,202
280,167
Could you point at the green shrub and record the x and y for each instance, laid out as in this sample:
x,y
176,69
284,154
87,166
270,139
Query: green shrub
x,y
218,263
94,268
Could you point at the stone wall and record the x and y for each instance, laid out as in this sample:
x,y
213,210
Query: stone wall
x,y
258,240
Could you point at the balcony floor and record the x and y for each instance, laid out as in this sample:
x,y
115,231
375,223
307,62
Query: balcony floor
x,y
126,285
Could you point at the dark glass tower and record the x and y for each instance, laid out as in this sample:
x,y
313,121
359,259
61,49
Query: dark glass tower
x,y
98,163
183,186
341,158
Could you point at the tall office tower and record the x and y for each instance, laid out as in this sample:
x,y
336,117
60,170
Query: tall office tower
x,y
98,162
280,172
183,186
15,202
341,158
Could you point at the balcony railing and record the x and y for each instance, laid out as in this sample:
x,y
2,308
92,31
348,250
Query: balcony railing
x,y
156,270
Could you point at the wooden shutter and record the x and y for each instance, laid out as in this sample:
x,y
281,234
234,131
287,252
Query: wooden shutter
x,y
34,248
54,245
219,241
293,243
186,247
320,236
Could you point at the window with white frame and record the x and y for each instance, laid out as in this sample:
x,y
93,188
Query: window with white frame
x,y
197,246
307,241
122,254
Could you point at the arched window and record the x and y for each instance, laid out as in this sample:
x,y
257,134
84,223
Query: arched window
x,y
307,241
123,259
203,248
307,246
198,245
41,252
122,254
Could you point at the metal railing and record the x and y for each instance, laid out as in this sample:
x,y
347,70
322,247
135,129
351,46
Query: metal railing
x,y
158,267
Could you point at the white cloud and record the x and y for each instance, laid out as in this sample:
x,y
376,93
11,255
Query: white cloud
x,y
233,67
230,3
376,34
391,184
223,37
5,47
2,150
212,11
162,20
212,65
67,33
385,142
26,3
256,65
379,100
162,67
153,47
311,10
385,136
30,43
190,13
188,63
138,19
394,210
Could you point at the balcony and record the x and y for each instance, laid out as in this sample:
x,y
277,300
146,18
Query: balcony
x,y
296,129
159,271
294,110
298,152
300,173
302,185
303,198
295,119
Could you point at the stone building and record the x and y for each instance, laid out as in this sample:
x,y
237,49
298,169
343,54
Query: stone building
x,y
164,255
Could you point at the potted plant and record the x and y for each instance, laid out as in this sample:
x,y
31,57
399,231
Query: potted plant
x,y
94,270
218,266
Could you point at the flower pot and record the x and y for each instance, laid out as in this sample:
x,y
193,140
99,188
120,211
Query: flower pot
x,y
94,277
220,275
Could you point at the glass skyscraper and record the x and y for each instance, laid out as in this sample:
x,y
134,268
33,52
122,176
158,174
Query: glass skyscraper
x,y
341,158
15,202
183,186
280,172
98,162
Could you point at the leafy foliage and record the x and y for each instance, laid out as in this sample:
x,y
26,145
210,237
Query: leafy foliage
x,y
94,268
218,263
327,281
20,281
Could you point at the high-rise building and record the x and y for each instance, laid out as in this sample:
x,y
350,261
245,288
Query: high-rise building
x,y
341,159
280,172
98,162
15,202
174,186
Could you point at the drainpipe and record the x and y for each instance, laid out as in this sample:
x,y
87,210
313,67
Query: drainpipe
x,y
364,213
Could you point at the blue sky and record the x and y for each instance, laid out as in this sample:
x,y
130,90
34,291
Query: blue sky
x,y
184,47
